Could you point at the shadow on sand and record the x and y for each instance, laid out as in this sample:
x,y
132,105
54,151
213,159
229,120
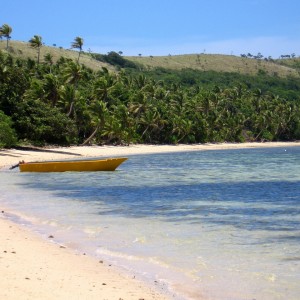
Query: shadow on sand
x,y
4,152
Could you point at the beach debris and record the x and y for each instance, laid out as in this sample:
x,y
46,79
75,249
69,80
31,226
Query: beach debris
x,y
50,237
14,166
2,211
101,261
103,283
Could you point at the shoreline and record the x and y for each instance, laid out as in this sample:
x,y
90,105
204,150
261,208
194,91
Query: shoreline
x,y
11,157
36,268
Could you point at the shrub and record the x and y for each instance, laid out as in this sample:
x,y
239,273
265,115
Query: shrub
x,y
8,137
39,123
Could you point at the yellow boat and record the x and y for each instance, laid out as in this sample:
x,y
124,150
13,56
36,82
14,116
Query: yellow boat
x,y
108,164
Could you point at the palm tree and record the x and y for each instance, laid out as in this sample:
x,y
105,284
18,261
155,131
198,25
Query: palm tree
x,y
66,98
98,112
77,44
6,31
72,73
148,123
181,127
103,86
51,88
112,131
36,42
49,60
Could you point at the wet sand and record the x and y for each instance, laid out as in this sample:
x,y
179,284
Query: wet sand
x,y
35,268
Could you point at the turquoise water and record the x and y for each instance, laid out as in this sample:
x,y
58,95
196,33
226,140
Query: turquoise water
x,y
216,224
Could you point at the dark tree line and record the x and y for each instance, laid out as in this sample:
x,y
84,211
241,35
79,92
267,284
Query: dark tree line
x,y
260,56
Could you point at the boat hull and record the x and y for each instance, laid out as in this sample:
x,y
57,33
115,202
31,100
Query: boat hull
x,y
109,164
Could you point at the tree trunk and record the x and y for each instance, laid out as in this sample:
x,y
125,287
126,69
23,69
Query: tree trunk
x,y
91,136
38,58
71,109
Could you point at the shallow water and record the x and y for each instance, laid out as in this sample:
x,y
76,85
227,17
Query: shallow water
x,y
220,224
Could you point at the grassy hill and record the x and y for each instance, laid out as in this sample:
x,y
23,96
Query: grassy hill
x,y
202,62
291,63
23,50
221,63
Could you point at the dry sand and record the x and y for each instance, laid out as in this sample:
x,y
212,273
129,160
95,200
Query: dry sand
x,y
35,268
12,157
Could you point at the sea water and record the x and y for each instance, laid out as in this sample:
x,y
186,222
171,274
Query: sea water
x,y
221,224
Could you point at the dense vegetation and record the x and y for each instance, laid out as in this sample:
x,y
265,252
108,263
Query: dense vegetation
x,y
115,59
288,88
67,103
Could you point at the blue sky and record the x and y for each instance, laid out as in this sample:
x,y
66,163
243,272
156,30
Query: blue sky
x,y
160,27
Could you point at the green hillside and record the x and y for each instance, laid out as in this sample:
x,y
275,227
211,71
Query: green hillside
x,y
221,63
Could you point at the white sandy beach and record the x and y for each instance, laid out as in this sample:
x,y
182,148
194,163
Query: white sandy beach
x,y
10,157
33,267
